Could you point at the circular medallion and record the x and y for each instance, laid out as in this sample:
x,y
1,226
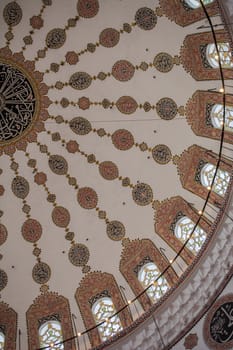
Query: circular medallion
x,y
218,326
126,105
80,80
31,230
166,108
108,170
56,38
123,70
20,187
79,254
88,8
115,230
58,164
122,139
12,14
17,105
3,234
145,18
41,273
109,37
163,62
161,154
80,126
87,198
142,194
61,216
3,279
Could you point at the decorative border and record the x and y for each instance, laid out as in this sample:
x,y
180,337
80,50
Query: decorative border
x,y
187,166
197,105
8,320
165,214
129,261
91,285
191,57
176,11
49,303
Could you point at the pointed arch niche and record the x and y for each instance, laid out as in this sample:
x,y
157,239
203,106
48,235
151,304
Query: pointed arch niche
x,y
191,166
194,54
167,217
49,309
8,326
183,14
208,106
138,254
97,289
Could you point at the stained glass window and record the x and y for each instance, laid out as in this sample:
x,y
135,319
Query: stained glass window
x,y
50,333
148,275
224,52
194,4
102,310
221,181
216,115
2,341
183,229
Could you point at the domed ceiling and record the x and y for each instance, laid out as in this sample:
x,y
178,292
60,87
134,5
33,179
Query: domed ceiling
x,y
95,139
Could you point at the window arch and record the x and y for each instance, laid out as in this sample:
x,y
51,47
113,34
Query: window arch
x,y
2,340
194,4
50,333
148,275
224,52
216,115
221,181
183,229
102,310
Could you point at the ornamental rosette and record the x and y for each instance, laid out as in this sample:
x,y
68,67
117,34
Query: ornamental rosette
x,y
23,102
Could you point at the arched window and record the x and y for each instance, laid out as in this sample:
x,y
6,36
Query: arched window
x,y
221,181
216,115
183,229
224,52
194,4
50,333
102,310
148,275
2,340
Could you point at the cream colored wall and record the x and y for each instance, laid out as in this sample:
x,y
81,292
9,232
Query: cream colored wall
x,y
177,84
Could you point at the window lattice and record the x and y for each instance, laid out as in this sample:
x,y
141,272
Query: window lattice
x,y
50,333
183,229
102,310
221,181
194,4
224,52
216,115
148,275
2,341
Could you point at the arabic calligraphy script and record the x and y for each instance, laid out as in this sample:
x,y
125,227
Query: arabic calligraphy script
x,y
17,103
221,326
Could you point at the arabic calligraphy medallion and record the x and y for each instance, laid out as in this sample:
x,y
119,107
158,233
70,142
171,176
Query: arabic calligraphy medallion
x,y
218,328
17,102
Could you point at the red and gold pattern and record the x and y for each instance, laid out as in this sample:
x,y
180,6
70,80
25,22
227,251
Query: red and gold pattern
x,y
197,105
187,165
165,215
49,304
91,285
191,56
130,260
